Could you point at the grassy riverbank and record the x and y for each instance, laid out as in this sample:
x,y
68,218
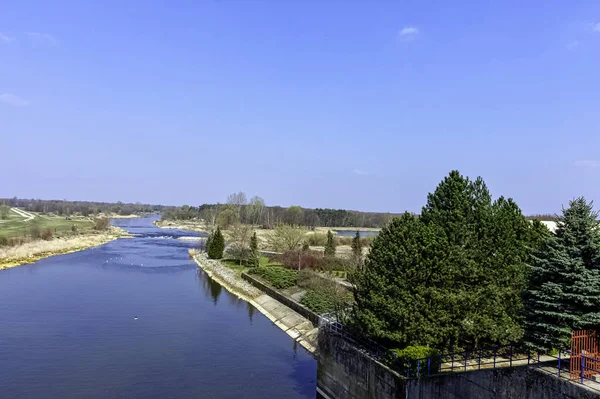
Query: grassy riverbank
x,y
35,250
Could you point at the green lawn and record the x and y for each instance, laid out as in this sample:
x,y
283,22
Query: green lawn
x,y
15,225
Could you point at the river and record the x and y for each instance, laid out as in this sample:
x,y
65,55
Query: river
x,y
68,328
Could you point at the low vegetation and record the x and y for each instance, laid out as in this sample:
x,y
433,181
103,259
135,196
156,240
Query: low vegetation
x,y
277,277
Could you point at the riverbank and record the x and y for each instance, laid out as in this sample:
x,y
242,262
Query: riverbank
x,y
293,324
33,251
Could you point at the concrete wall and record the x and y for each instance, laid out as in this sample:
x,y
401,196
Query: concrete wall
x,y
346,372
290,303
518,382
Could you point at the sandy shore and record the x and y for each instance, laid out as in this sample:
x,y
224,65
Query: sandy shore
x,y
35,250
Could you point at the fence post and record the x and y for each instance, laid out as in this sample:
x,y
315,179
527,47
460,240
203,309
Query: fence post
x,y
479,360
418,368
408,370
511,353
528,356
495,349
582,367
452,364
559,364
428,366
538,359
465,367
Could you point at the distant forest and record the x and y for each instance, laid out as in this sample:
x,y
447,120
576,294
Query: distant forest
x,y
85,208
255,212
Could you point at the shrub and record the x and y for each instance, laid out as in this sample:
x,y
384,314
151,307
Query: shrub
x,y
74,228
329,263
316,239
407,359
299,260
318,301
277,277
35,231
101,223
46,234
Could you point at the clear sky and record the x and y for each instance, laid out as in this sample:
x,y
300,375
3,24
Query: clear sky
x,y
346,104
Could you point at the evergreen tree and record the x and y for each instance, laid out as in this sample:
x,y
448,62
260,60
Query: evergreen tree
x,y
564,283
255,254
217,245
453,277
405,294
208,243
330,246
357,246
488,247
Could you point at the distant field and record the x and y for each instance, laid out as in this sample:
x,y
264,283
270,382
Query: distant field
x,y
16,226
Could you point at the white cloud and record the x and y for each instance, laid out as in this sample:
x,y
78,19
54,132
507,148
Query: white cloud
x,y
573,44
360,172
11,99
588,163
43,38
6,39
408,33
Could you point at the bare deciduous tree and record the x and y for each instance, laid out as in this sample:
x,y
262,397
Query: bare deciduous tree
x,y
286,238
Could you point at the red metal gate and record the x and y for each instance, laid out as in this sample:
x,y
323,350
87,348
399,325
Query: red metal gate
x,y
584,342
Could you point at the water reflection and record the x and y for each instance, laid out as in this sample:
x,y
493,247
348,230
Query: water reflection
x,y
215,290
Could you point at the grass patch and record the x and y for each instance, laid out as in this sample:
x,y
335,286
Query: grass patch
x,y
15,226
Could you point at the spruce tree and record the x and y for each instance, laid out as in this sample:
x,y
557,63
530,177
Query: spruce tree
x,y
217,245
330,246
208,243
357,246
564,280
255,254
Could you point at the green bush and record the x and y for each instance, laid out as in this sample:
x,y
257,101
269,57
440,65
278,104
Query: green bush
x,y
316,239
318,301
277,277
408,358
330,263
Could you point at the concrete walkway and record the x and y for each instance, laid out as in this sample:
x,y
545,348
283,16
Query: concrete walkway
x,y
294,325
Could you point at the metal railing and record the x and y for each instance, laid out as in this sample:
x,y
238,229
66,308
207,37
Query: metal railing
x,y
590,367
501,356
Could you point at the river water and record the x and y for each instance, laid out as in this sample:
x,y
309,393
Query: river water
x,y
68,328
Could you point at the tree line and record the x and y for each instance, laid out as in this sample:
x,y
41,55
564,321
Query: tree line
x,y
471,272
238,209
84,208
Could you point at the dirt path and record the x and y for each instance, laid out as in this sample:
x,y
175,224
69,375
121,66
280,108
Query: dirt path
x,y
28,216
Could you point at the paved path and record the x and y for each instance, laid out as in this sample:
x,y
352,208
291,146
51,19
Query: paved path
x,y
296,326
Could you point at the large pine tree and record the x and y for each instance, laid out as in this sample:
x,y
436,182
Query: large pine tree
x,y
453,277
564,280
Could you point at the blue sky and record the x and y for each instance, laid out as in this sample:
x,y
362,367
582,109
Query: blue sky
x,y
346,104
